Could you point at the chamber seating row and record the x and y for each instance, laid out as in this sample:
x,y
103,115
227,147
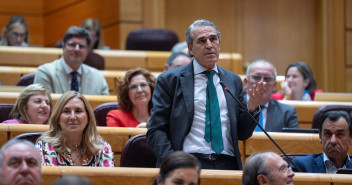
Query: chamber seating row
x,y
145,176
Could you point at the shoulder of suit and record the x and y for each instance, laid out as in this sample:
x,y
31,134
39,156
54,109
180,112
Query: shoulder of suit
x,y
273,101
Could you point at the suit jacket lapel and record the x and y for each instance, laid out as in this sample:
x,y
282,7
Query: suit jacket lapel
x,y
270,115
85,80
319,166
187,88
231,104
61,76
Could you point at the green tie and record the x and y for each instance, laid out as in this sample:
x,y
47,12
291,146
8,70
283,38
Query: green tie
x,y
212,116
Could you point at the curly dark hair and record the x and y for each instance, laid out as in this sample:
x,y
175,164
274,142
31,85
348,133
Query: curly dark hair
x,y
125,103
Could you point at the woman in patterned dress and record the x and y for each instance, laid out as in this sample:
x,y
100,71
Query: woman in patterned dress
x,y
73,139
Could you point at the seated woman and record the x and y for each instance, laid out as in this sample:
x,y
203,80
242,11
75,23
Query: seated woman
x,y
73,139
298,78
32,106
134,93
96,34
178,168
15,32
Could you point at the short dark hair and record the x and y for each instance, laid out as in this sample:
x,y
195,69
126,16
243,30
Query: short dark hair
x,y
334,116
175,55
176,160
73,180
306,72
125,103
75,31
199,23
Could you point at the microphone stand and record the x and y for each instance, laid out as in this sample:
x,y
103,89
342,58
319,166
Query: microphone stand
x,y
266,133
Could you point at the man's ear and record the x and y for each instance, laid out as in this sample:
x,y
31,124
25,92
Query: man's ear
x,y
166,67
320,137
190,49
262,179
158,180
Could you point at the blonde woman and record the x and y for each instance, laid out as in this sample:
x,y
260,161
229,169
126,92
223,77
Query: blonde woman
x,y
73,139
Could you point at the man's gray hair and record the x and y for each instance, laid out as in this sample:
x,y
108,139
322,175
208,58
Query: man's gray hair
x,y
260,61
13,142
255,165
200,23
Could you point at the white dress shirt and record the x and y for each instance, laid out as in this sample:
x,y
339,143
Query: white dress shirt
x,y
69,70
194,141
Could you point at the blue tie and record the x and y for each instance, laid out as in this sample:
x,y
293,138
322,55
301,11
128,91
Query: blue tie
x,y
74,81
257,129
213,132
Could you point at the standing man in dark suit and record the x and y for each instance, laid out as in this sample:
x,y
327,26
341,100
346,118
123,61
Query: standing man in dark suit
x,y
194,114
335,135
275,115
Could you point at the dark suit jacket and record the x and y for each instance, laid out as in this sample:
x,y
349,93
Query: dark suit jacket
x,y
312,163
173,110
279,116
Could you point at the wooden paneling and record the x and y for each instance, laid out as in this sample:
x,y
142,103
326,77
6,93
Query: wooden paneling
x,y
349,48
111,36
179,15
21,7
57,22
281,32
131,11
125,29
348,82
348,10
54,5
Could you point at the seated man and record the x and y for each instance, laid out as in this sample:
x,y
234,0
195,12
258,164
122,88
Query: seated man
x,y
20,164
274,115
266,168
177,60
69,72
335,136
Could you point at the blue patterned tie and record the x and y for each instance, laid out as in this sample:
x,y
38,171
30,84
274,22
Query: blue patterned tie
x,y
257,129
213,132
74,81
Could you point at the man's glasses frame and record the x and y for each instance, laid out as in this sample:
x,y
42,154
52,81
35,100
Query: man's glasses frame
x,y
73,45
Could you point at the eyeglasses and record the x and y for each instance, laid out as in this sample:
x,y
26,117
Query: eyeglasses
x,y
258,78
134,87
16,34
73,45
285,169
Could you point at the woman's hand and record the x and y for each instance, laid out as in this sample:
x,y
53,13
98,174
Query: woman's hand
x,y
142,125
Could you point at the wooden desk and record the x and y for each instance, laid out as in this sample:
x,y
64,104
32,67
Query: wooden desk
x,y
10,75
114,59
94,100
329,96
305,110
145,176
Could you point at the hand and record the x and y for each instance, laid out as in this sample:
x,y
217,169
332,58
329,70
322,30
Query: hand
x,y
142,125
286,89
255,93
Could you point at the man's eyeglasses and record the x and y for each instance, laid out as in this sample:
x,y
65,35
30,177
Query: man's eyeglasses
x,y
258,78
134,87
73,45
285,169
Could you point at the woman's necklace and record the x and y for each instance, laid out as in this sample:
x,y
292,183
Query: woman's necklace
x,y
75,146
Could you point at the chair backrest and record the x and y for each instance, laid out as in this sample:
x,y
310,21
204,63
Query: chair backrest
x,y
151,40
29,136
137,153
102,110
5,110
26,80
322,110
95,60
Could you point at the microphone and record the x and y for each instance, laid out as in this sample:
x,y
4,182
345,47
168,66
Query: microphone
x,y
266,133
